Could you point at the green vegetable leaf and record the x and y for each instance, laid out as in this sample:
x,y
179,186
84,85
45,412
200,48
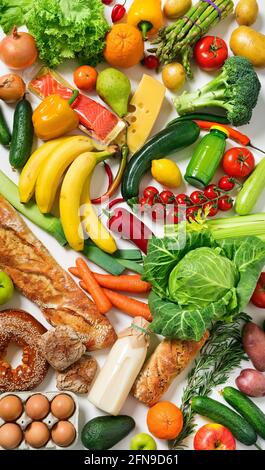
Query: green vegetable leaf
x,y
12,12
172,321
248,254
199,281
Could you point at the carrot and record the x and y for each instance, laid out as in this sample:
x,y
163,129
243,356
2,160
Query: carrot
x,y
132,307
93,288
128,283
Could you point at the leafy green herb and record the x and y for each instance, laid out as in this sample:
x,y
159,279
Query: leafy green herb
x,y
221,354
200,280
12,12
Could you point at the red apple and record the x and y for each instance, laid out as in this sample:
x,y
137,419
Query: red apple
x,y
214,436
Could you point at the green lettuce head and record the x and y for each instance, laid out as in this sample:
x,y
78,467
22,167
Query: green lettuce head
x,y
200,282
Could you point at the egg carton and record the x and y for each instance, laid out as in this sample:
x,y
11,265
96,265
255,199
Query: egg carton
x,y
23,421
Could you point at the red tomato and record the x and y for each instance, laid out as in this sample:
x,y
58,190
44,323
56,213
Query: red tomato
x,y
151,62
214,436
158,212
183,199
198,198
167,197
258,297
211,191
145,203
226,183
191,213
212,207
225,203
172,216
85,77
150,192
210,53
238,162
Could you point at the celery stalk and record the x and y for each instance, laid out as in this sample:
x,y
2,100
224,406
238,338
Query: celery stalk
x,y
47,222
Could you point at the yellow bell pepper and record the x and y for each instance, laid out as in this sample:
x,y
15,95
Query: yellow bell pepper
x,y
54,117
146,15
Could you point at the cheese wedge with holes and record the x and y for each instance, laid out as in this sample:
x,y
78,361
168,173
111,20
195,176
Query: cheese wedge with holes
x,y
147,102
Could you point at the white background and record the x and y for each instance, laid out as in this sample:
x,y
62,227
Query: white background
x,y
67,258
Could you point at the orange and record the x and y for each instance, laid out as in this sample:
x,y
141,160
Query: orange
x,y
124,46
165,420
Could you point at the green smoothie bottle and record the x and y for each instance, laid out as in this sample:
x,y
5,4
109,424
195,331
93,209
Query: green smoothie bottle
x,y
207,157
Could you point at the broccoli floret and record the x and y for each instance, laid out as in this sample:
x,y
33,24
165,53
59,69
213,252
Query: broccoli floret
x,y
235,90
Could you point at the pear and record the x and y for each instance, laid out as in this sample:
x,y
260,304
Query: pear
x,y
114,88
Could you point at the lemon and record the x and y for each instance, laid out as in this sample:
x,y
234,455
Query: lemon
x,y
166,172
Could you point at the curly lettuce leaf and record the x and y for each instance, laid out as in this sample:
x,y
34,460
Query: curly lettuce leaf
x,y
64,29
12,13
173,320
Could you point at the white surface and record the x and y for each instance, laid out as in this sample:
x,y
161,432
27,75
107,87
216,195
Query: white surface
x,y
67,257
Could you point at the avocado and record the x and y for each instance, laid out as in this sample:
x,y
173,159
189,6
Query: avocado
x,y
104,432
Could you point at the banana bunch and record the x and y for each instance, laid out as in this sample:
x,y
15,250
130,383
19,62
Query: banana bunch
x,y
75,157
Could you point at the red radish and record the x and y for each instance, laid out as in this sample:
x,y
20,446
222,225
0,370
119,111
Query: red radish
x,y
18,50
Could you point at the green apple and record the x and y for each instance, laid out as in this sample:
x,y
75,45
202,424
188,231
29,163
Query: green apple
x,y
6,288
143,441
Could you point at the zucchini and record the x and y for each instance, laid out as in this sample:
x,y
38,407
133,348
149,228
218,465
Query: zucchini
x,y
221,414
5,136
165,143
243,405
22,138
104,432
251,190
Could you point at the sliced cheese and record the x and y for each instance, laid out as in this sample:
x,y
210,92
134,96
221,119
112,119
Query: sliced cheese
x,y
147,102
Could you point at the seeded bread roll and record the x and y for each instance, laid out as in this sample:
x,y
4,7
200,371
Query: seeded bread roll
x,y
169,359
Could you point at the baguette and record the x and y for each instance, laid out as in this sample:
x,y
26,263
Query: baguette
x,y
168,360
39,277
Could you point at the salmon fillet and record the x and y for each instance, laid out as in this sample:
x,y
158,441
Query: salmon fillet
x,y
39,277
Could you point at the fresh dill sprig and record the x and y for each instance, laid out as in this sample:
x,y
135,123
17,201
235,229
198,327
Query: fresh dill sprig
x,y
220,355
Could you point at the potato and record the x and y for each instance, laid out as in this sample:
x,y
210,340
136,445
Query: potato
x,y
247,12
173,76
174,9
253,339
247,42
251,382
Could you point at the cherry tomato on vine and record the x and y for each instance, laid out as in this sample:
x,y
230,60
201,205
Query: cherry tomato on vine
x,y
238,162
258,297
198,197
225,203
211,191
150,192
85,77
172,216
151,62
167,197
212,207
158,212
145,203
226,183
210,53
191,213
183,199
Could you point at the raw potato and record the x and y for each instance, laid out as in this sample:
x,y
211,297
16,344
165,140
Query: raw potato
x,y
247,12
174,9
246,42
253,340
173,76
251,382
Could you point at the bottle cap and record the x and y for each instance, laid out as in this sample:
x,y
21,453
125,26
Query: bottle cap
x,y
221,129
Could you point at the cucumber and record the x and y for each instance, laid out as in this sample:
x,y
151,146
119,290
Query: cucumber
x,y
251,190
165,143
243,405
22,138
104,432
5,136
221,414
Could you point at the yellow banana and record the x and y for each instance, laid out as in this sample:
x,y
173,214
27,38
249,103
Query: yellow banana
x,y
30,172
51,173
74,201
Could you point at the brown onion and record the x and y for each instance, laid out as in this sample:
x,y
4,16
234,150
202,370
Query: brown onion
x,y
18,50
12,88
